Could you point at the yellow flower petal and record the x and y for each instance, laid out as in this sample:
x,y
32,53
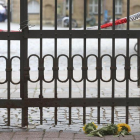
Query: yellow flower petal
x,y
94,124
121,125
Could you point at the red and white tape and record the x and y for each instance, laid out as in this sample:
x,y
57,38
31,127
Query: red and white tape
x,y
117,22
133,17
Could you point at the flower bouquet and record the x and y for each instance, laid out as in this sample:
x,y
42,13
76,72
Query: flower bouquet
x,y
123,129
110,129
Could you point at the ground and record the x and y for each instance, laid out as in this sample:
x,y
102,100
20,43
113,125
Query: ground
x,y
58,135
77,88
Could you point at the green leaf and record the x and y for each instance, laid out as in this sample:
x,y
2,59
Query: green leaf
x,y
90,134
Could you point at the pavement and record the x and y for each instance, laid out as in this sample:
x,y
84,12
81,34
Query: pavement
x,y
77,89
58,135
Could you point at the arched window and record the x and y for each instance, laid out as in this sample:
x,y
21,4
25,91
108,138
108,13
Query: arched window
x,y
33,7
118,6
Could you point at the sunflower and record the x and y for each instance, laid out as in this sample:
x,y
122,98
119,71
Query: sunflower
x,y
119,129
95,125
84,127
123,126
87,128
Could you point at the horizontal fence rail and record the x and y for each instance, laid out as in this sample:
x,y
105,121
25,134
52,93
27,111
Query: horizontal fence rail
x,y
70,34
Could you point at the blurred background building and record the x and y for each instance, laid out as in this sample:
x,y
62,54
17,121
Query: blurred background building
x,y
3,2
77,10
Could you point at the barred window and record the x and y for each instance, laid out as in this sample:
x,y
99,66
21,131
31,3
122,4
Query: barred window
x,y
118,6
93,6
33,7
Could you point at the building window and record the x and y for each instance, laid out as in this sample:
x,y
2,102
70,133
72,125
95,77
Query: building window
x,y
33,7
67,5
93,6
118,6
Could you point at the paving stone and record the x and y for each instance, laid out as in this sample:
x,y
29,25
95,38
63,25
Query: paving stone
x,y
51,134
34,138
96,138
29,133
6,133
6,136
137,137
111,138
81,136
19,137
56,139
66,135
81,139
127,137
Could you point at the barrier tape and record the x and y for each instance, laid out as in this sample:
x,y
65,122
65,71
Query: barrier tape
x,y
133,17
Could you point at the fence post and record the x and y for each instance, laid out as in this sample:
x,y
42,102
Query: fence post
x,y
24,70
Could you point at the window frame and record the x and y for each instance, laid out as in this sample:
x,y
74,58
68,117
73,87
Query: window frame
x,y
33,11
93,5
117,6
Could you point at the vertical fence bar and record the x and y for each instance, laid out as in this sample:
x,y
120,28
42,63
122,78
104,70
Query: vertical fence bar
x,y
99,58
84,70
41,63
24,70
113,62
127,63
138,53
8,73
70,56
138,62
55,62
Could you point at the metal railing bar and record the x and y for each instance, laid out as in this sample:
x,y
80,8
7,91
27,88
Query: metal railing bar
x,y
113,27
41,63
70,55
24,61
113,64
128,13
85,13
99,14
8,73
70,75
127,60
70,14
55,15
55,62
41,13
138,62
84,63
66,102
99,55
73,34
